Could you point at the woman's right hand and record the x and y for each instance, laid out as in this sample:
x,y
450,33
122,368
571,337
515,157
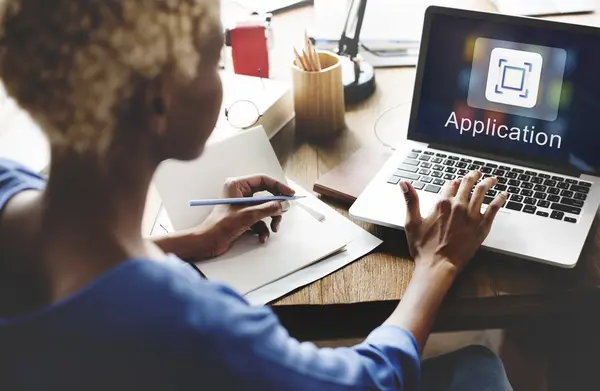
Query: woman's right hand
x,y
455,229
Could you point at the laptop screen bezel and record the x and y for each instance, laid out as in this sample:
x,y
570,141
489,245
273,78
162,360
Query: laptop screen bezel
x,y
483,151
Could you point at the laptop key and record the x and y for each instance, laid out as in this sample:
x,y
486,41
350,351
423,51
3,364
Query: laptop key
x,y
406,175
424,171
449,162
571,181
539,195
428,153
500,187
437,174
464,159
461,165
553,190
492,165
418,185
540,188
412,155
502,180
432,188
553,198
580,189
527,185
529,209
571,202
567,193
524,177
558,178
425,165
436,160
511,175
439,182
478,162
487,199
441,154
474,167
514,182
563,185
516,198
405,167
557,215
527,193
518,170
487,170
426,179
537,180
565,208
438,167
449,177
514,206
570,220
416,150
505,168
531,173
463,172
530,201
543,204
499,172
425,158
585,184
394,180
543,214
453,157
580,196
451,170
491,193
514,190
550,182
545,176
411,162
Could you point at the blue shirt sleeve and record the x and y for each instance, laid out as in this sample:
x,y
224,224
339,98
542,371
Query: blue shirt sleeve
x,y
251,341
15,178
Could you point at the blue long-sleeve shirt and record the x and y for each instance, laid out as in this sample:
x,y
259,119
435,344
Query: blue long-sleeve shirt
x,y
158,325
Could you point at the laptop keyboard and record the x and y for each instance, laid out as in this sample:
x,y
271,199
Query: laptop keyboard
x,y
533,192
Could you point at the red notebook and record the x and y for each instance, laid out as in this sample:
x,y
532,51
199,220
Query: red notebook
x,y
345,182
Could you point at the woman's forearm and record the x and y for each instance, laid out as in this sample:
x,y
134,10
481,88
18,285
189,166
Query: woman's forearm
x,y
422,299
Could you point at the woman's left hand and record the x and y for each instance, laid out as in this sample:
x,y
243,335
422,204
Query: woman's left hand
x,y
226,223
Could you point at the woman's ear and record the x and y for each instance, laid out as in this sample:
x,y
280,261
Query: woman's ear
x,y
157,106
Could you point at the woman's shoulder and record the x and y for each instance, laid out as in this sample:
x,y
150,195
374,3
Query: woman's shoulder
x,y
15,178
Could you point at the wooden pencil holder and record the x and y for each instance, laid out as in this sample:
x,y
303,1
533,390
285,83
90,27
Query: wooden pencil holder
x,y
319,99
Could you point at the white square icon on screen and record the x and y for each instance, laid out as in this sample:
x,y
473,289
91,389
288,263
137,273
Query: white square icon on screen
x,y
514,77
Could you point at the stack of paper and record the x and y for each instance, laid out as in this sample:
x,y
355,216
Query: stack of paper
x,y
313,240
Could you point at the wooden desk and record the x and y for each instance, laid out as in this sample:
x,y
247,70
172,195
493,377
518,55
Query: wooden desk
x,y
494,290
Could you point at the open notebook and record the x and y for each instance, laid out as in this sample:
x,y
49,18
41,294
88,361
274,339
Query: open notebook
x,y
301,240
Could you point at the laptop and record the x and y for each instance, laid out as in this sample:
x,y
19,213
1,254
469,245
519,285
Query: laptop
x,y
517,98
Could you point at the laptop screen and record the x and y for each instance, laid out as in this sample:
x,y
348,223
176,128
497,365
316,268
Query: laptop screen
x,y
513,87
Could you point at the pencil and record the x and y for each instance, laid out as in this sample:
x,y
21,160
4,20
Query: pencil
x,y
300,61
242,200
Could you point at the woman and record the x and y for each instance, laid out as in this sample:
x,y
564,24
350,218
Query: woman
x,y
87,304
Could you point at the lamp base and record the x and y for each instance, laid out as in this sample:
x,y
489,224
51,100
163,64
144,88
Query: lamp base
x,y
358,78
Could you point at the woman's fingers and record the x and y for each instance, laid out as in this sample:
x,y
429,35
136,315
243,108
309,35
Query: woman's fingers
x,y
450,188
478,195
260,228
248,185
464,191
492,210
413,210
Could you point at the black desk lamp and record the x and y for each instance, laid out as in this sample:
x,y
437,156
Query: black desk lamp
x,y
358,76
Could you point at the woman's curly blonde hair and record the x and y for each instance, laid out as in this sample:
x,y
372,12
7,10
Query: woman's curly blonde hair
x,y
74,64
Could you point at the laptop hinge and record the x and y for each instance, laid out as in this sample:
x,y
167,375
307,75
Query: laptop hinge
x,y
570,171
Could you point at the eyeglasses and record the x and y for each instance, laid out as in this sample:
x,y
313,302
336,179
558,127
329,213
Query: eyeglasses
x,y
242,114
